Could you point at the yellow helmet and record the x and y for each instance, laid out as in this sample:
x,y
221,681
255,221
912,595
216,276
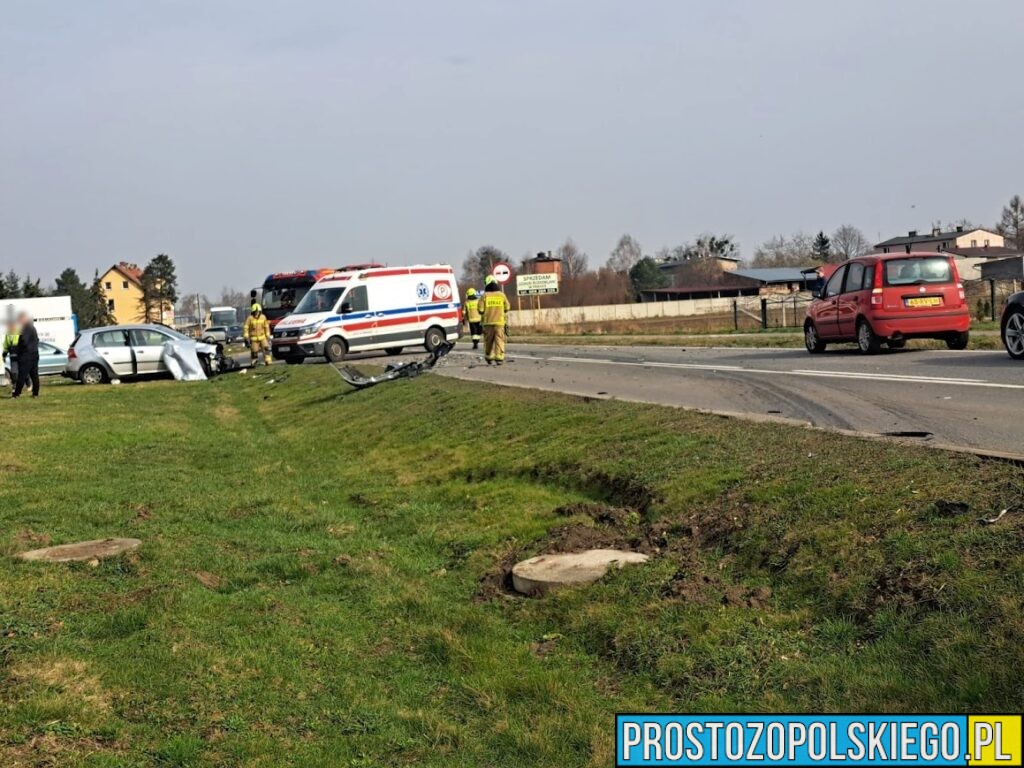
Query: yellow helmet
x,y
489,280
471,293
256,308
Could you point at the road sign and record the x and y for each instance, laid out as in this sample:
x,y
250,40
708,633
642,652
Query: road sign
x,y
501,272
536,285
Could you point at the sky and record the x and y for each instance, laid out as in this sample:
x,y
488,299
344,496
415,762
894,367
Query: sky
x,y
243,137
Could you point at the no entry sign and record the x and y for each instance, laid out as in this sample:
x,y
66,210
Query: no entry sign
x,y
501,272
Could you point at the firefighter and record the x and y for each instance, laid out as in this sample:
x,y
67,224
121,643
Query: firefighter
x,y
473,317
494,307
257,335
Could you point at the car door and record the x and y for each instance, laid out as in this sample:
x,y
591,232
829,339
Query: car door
x,y
825,319
148,346
113,347
848,301
51,359
360,323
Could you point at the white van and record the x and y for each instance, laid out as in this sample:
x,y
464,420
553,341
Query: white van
x,y
377,308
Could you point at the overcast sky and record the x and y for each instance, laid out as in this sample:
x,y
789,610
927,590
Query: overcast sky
x,y
249,136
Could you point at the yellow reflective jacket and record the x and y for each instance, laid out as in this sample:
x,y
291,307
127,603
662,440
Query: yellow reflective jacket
x,y
493,306
10,341
256,328
472,310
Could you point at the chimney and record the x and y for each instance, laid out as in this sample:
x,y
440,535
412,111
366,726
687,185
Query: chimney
x,y
936,231
912,233
959,229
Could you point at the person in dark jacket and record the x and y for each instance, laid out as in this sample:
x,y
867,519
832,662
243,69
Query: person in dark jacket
x,y
28,356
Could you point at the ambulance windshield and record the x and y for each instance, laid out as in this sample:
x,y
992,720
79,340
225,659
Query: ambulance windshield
x,y
319,300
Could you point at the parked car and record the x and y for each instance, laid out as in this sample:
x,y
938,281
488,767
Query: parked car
x,y
217,334
234,333
52,360
887,299
124,351
1012,326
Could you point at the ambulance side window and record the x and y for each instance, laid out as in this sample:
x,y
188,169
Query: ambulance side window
x,y
356,299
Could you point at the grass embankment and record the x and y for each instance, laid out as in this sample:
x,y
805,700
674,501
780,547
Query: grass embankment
x,y
321,579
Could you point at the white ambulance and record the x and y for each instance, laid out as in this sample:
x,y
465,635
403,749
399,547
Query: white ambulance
x,y
373,308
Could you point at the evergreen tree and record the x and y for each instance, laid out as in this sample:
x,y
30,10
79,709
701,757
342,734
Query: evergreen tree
x,y
12,286
645,275
159,288
822,247
31,289
95,311
70,284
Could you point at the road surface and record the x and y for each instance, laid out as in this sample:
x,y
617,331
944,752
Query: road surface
x,y
970,399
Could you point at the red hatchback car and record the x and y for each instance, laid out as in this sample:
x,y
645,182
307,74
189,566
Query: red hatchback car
x,y
887,299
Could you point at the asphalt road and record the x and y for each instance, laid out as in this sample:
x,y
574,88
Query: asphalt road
x,y
970,399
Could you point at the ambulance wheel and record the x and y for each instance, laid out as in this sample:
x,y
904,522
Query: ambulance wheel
x,y
394,350
335,349
434,339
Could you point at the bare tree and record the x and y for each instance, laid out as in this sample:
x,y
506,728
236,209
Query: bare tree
x,y
1011,223
848,242
574,261
781,251
574,266
477,264
625,254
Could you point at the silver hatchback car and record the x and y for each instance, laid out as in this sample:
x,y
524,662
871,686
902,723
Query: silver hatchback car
x,y
123,351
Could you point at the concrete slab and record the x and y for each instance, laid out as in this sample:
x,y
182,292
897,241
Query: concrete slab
x,y
83,550
547,572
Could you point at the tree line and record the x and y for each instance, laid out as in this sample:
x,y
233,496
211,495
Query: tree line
x,y
89,302
628,271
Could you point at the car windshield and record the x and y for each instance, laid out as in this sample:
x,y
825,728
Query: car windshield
x,y
282,298
319,300
917,271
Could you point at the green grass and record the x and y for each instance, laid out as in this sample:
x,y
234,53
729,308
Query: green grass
x,y
319,579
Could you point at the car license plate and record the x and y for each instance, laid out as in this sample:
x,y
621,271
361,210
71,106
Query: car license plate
x,y
924,301
283,348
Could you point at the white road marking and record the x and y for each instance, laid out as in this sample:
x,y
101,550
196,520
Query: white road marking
x,y
855,375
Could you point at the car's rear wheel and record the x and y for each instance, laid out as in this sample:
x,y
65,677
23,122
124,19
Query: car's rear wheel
x,y
435,338
335,349
812,341
92,374
394,351
958,340
867,341
1013,334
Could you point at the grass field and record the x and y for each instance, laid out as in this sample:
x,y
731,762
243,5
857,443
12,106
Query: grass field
x,y
322,578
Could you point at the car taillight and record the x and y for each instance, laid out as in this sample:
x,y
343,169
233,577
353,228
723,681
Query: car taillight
x,y
960,292
71,354
876,297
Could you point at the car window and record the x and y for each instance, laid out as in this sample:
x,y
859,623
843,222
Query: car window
x,y
835,283
47,349
917,271
854,276
145,337
869,277
110,339
357,299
